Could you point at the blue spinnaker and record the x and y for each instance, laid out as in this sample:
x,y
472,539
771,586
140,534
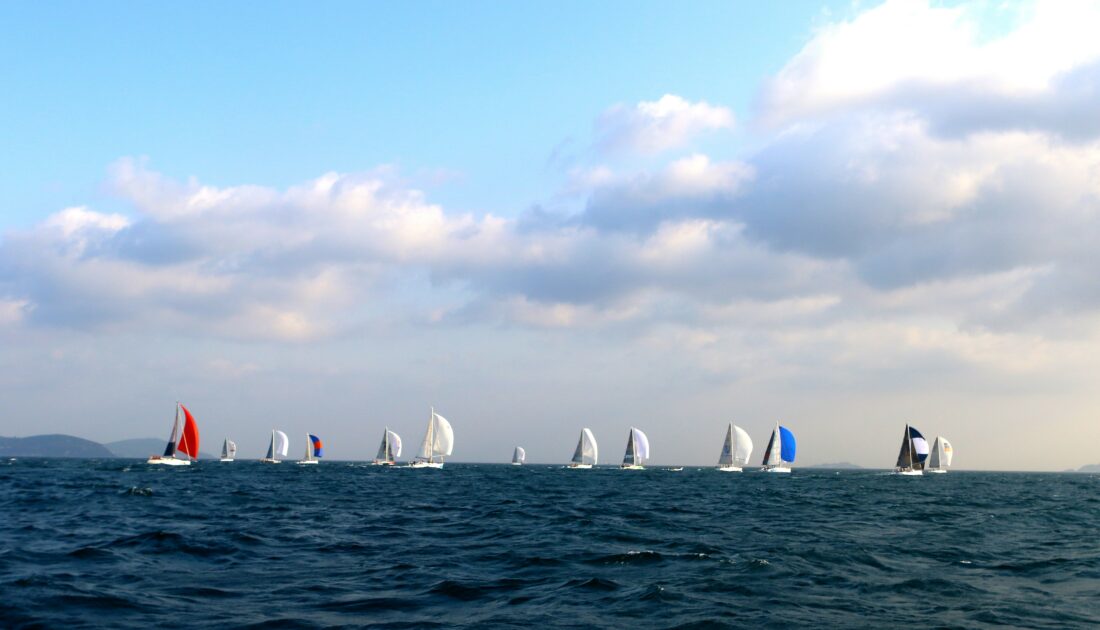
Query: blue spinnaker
x,y
786,453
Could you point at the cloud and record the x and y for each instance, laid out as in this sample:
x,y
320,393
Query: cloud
x,y
651,127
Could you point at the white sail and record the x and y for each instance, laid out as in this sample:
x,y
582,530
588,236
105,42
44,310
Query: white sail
x,y
395,444
588,452
519,455
309,449
948,451
281,443
771,457
641,446
725,459
444,439
742,446
232,448
426,446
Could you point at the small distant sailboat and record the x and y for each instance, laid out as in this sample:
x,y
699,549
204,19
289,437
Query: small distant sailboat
x,y
940,458
780,451
519,456
587,453
280,443
184,439
438,443
637,450
229,450
314,449
389,450
914,450
735,450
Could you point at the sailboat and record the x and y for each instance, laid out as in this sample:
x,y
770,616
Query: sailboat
x,y
588,452
229,450
637,450
735,450
184,439
519,456
314,449
389,450
914,450
280,443
438,443
780,451
941,455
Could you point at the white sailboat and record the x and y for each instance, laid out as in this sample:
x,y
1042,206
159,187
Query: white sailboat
x,y
438,443
184,439
229,450
914,450
780,451
940,458
736,449
314,449
519,456
280,443
389,450
637,450
587,453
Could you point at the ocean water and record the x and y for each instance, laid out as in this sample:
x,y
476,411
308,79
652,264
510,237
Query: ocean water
x,y
115,543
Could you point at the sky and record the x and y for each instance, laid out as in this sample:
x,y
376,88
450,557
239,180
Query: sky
x,y
538,217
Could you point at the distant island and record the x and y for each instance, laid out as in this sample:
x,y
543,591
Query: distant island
x,y
59,445
1089,468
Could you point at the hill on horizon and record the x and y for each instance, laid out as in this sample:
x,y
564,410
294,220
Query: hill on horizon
x,y
52,445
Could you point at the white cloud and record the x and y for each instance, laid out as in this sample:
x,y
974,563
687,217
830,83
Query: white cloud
x,y
655,126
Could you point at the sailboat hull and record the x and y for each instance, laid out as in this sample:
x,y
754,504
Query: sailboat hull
x,y
580,466
426,465
631,467
378,463
226,459
909,473
517,463
268,460
936,471
307,462
158,460
729,469
778,469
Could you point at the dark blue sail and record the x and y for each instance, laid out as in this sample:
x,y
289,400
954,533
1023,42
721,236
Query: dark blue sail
x,y
920,445
786,440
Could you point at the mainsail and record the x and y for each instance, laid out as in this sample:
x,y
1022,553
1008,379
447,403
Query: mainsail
x,y
390,448
736,448
438,441
587,452
519,455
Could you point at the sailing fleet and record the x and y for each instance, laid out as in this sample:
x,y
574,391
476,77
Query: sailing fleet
x,y
914,458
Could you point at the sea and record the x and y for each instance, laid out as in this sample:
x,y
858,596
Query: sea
x,y
119,544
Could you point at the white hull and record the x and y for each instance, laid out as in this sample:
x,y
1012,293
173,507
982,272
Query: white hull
x,y
426,465
378,463
677,469
778,469
580,466
226,459
516,464
631,467
268,460
729,469
936,471
307,462
158,460
909,473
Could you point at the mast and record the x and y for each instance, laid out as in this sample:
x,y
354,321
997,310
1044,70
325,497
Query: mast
x,y
909,436
431,437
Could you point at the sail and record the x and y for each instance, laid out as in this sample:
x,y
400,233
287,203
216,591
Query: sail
x,y
786,453
771,453
444,440
395,445
630,458
189,438
641,445
920,447
904,458
742,446
317,447
281,443
170,449
726,458
231,450
519,456
947,451
271,447
383,448
426,446
934,458
587,450
225,448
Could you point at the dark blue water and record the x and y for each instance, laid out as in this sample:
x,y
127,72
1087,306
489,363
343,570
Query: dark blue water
x,y
120,544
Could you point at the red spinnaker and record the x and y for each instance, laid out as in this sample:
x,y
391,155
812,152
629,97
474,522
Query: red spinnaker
x,y
189,441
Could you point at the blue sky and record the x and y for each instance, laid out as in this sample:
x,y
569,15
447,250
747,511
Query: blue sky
x,y
538,217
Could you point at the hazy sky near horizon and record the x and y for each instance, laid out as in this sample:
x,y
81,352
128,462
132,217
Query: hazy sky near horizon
x,y
539,217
